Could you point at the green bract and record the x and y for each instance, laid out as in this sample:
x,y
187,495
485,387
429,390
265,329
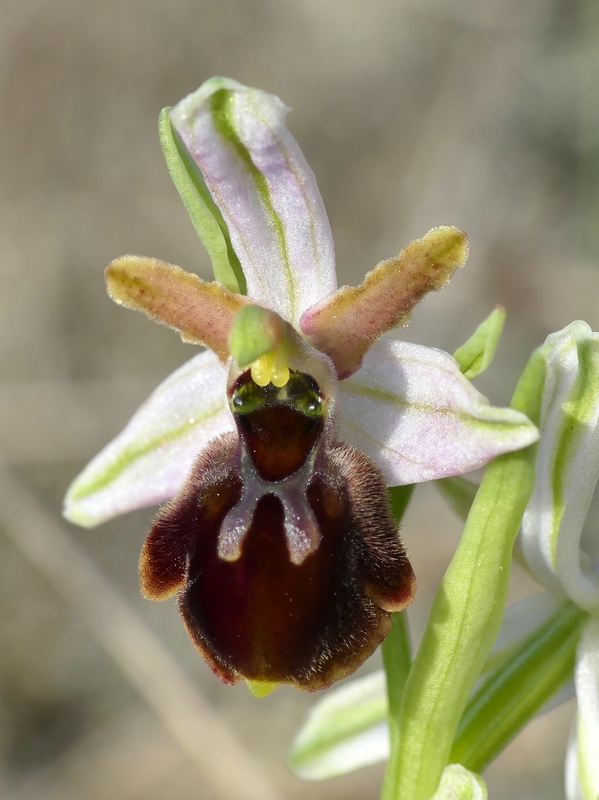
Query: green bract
x,y
476,355
457,783
203,211
517,688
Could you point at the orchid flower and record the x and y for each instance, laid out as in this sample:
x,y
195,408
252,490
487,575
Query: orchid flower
x,y
275,445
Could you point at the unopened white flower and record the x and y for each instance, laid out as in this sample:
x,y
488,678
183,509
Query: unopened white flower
x,y
560,553
567,469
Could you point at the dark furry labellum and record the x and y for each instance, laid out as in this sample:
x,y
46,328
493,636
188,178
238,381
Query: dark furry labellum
x,y
281,545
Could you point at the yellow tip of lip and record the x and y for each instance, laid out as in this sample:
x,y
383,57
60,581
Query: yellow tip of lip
x,y
260,688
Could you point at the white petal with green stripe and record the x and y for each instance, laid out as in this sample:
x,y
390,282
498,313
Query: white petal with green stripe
x,y
265,191
149,460
418,418
567,467
582,763
345,731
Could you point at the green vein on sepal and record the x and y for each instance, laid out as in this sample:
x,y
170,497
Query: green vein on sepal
x,y
203,211
518,687
466,614
83,488
476,355
221,109
465,415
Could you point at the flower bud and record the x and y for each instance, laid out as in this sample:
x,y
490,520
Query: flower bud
x,y
567,468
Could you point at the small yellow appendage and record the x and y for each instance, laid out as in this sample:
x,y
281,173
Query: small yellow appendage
x,y
271,368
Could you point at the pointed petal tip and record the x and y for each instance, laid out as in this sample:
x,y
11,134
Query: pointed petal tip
x,y
476,354
76,507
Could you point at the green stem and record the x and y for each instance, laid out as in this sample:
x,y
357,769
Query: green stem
x,y
397,659
397,650
466,615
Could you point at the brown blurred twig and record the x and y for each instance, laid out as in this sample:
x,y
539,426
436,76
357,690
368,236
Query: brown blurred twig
x,y
220,758
131,751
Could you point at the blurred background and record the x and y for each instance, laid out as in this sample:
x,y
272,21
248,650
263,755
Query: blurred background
x,y
413,113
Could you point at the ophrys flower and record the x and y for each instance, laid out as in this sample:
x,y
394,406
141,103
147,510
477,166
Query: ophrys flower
x,y
277,442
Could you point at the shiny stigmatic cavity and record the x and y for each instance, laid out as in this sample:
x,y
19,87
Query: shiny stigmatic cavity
x,y
279,426
301,391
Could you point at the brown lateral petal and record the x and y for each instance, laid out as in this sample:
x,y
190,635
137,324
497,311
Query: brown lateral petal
x,y
201,312
348,321
262,617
